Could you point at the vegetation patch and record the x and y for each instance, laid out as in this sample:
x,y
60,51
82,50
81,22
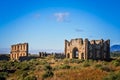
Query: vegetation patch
x,y
112,76
48,71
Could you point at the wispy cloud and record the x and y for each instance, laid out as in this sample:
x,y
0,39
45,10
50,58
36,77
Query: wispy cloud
x,y
61,16
79,30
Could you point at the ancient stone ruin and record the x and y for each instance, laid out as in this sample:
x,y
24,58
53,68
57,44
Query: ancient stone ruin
x,y
18,50
56,55
85,49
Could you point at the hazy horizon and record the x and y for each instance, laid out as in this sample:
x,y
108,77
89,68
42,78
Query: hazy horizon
x,y
45,24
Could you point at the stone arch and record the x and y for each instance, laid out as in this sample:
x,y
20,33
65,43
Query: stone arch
x,y
82,55
75,53
68,55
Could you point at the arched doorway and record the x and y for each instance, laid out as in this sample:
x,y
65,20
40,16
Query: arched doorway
x,y
75,53
68,55
82,55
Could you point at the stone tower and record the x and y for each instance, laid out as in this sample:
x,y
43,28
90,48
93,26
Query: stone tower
x,y
18,50
85,49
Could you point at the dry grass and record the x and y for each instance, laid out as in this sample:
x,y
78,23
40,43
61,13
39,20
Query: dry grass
x,y
76,71
79,74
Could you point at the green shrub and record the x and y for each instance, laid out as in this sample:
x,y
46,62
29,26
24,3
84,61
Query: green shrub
x,y
48,71
47,67
86,64
90,61
75,61
3,75
5,66
116,63
104,63
42,62
112,76
105,68
47,74
24,74
66,61
24,66
98,65
72,61
65,66
30,78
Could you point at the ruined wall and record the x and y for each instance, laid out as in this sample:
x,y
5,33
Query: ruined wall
x,y
18,50
99,49
94,49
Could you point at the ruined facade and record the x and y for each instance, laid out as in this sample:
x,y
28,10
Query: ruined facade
x,y
85,49
18,50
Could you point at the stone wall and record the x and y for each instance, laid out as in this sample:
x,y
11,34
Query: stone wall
x,y
56,55
85,49
18,50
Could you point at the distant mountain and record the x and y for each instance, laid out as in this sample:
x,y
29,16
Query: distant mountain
x,y
115,48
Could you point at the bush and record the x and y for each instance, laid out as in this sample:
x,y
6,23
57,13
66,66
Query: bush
x,y
98,65
105,68
24,74
48,71
64,66
66,61
30,78
116,63
5,66
24,66
42,62
3,75
47,74
47,67
112,76
76,61
86,64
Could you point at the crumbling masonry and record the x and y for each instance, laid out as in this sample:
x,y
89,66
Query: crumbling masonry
x,y
18,50
94,49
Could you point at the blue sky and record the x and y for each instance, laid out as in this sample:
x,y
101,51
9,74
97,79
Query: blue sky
x,y
45,24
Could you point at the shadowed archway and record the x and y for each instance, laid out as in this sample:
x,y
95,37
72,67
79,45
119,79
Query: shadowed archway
x,y
68,55
75,53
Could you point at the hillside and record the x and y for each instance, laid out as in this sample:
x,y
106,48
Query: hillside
x,y
115,48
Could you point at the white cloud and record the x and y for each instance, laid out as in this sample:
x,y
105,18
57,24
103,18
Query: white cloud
x,y
61,16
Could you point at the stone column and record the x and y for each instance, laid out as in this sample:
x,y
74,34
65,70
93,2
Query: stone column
x,y
79,56
16,48
13,47
10,56
25,47
22,47
71,55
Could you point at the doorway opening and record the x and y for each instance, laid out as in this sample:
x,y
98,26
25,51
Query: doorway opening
x,y
75,53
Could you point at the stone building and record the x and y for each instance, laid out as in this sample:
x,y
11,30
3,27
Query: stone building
x,y
85,49
18,50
